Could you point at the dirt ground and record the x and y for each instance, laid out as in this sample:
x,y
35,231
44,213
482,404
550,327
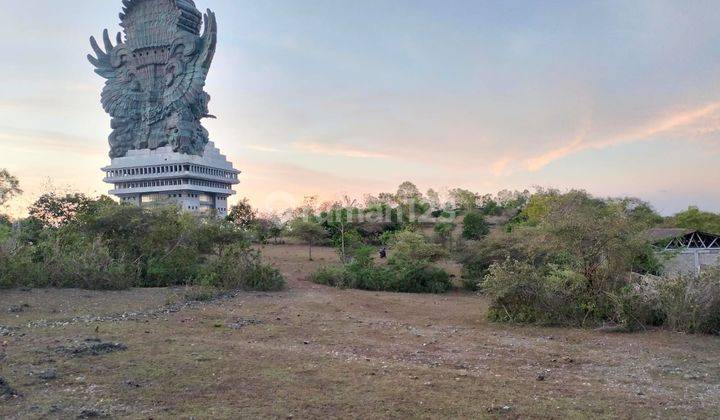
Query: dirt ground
x,y
316,352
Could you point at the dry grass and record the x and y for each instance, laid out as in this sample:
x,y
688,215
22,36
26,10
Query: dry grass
x,y
313,351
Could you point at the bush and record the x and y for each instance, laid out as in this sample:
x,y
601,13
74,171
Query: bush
x,y
66,262
520,292
329,276
474,226
637,305
421,278
405,277
567,263
412,246
104,245
692,304
684,303
239,267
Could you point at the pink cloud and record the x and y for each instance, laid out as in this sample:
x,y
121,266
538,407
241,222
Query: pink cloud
x,y
337,150
689,124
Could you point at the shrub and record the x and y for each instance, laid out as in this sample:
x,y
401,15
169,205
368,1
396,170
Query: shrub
x,y
444,231
17,268
637,305
474,226
692,304
470,284
421,278
684,303
405,277
412,246
103,245
201,294
66,262
567,263
329,276
239,267
520,292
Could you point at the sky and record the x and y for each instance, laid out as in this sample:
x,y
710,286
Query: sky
x,y
335,97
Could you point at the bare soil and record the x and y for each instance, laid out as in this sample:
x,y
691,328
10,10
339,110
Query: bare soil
x,y
317,352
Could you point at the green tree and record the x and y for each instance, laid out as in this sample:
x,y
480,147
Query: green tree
x,y
465,200
444,231
474,226
9,187
276,229
54,210
309,232
242,214
694,218
407,192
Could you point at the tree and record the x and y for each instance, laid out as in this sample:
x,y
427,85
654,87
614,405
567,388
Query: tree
x,y
693,218
268,226
464,199
433,199
308,232
277,228
407,192
410,204
9,187
444,231
242,214
474,226
54,211
340,220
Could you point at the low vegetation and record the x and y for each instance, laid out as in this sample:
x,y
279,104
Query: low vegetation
x,y
550,258
684,303
74,241
409,270
573,260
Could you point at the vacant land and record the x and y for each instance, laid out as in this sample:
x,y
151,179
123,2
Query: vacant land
x,y
313,351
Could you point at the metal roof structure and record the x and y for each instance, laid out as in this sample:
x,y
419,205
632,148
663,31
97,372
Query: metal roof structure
x,y
683,239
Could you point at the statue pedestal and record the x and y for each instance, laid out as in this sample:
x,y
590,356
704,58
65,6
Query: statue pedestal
x,y
198,184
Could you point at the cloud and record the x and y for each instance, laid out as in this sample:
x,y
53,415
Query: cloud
x,y
260,148
337,150
689,124
30,140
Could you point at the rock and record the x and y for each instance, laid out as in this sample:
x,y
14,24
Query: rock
x,y
243,322
48,375
6,391
7,331
88,413
541,376
132,384
95,349
16,309
498,409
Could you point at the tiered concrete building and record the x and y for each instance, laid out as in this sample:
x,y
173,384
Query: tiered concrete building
x,y
198,183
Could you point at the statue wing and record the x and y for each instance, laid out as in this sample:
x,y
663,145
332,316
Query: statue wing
x,y
188,85
119,99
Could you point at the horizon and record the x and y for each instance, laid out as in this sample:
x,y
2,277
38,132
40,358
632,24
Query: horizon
x,y
332,98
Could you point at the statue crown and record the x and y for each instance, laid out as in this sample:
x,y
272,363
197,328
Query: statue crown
x,y
156,23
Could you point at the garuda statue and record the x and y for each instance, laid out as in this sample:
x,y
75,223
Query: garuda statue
x,y
155,77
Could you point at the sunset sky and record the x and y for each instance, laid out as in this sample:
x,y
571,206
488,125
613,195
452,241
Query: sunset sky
x,y
351,97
